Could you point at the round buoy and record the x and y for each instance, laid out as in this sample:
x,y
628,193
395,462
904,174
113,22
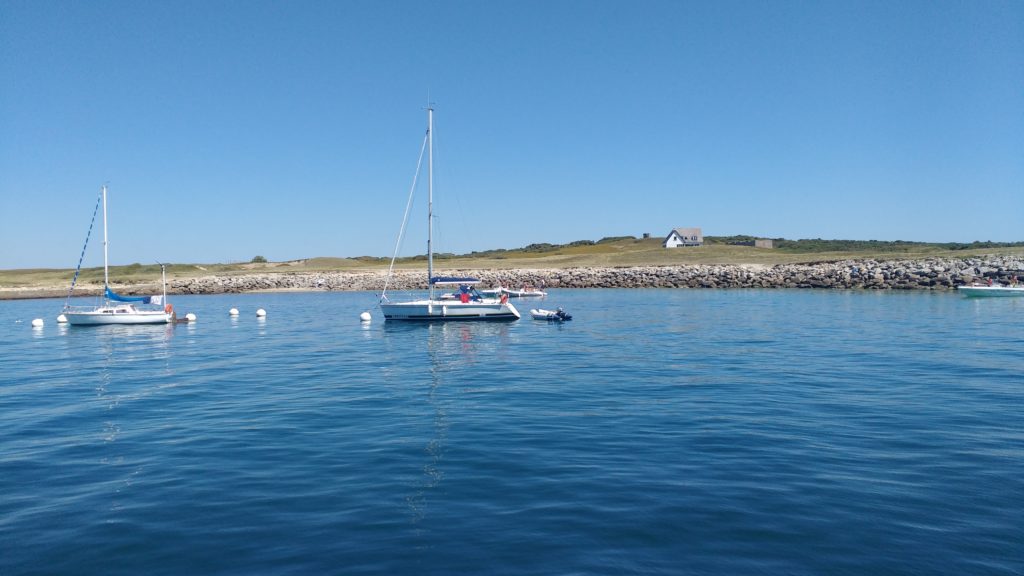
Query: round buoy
x,y
37,323
233,312
365,317
62,319
190,317
261,313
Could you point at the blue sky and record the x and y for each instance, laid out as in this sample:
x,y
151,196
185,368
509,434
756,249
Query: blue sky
x,y
229,129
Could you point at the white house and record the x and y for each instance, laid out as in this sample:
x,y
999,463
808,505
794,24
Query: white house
x,y
684,237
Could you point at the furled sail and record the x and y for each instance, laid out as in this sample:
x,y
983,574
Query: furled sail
x,y
111,295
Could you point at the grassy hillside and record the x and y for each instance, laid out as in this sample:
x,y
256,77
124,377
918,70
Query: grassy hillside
x,y
619,251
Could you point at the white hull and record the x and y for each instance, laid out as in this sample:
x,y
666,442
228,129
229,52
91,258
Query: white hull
x,y
426,310
991,291
105,315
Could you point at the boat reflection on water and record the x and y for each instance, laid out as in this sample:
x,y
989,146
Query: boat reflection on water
x,y
433,451
453,343
125,337
452,351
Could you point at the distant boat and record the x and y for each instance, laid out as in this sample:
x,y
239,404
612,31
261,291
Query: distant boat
x,y
524,292
118,309
991,291
467,303
550,315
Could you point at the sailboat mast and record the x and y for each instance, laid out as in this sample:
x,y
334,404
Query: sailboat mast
x,y
106,275
430,201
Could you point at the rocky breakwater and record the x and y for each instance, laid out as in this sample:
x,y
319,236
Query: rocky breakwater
x,y
295,281
927,274
922,274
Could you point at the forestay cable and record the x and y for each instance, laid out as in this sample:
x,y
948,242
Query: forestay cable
x,y
405,218
78,269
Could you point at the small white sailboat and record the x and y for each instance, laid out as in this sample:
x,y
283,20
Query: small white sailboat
x,y
118,309
470,304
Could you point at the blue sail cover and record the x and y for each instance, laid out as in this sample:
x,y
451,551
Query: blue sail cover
x,y
111,295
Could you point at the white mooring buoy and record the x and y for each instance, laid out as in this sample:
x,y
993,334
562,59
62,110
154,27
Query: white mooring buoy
x,y
62,319
190,317
261,313
365,317
233,312
37,323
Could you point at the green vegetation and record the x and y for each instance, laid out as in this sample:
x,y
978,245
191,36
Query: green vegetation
x,y
631,251
258,260
619,251
608,239
806,246
895,247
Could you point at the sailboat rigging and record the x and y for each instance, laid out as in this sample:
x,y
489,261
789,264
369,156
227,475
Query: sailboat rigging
x,y
470,304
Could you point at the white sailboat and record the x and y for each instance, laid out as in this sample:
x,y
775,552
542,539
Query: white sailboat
x,y
470,304
118,309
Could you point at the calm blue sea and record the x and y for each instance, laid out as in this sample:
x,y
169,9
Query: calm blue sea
x,y
659,432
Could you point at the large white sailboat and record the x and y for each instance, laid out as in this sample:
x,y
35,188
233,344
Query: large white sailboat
x,y
469,303
115,308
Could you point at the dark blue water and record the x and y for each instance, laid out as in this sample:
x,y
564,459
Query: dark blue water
x,y
660,432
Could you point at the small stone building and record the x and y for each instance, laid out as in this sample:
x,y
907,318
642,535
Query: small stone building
x,y
684,237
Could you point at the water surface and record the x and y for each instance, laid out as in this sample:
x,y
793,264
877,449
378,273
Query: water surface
x,y
659,432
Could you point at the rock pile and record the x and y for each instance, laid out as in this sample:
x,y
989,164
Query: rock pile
x,y
925,274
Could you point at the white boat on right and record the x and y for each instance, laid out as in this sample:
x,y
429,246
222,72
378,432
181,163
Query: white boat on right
x,y
994,290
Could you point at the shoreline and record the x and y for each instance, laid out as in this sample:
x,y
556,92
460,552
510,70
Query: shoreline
x,y
915,274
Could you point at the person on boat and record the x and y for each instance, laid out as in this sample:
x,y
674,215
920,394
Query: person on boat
x,y
463,293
